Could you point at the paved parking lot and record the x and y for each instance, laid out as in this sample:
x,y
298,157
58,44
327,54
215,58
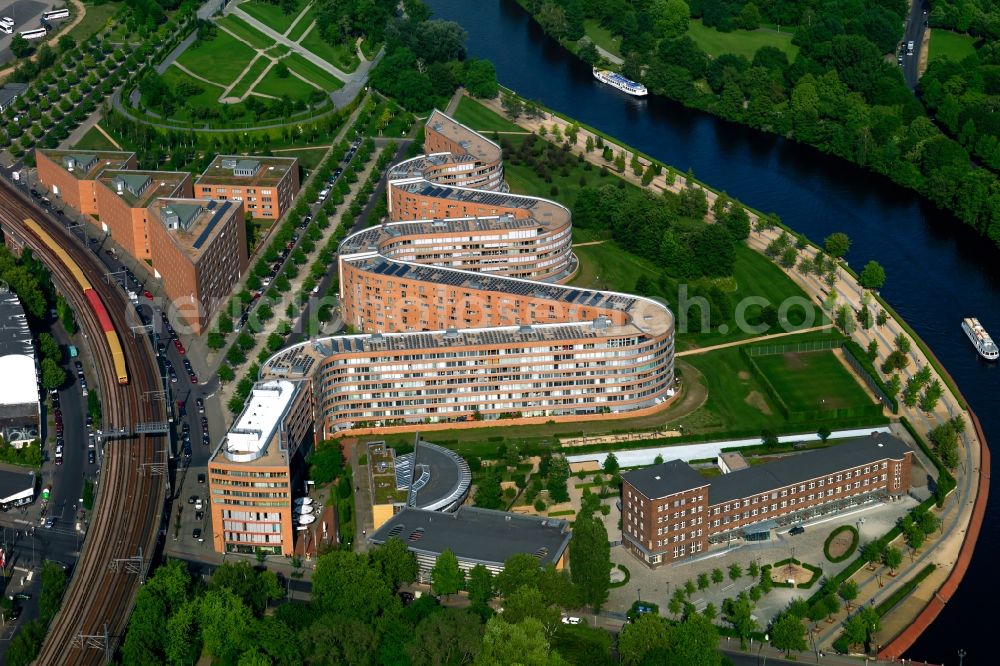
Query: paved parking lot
x,y
658,585
27,15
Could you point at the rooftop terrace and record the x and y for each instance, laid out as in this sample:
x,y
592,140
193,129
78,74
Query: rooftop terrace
x,y
475,144
371,239
193,223
85,165
254,435
140,188
243,170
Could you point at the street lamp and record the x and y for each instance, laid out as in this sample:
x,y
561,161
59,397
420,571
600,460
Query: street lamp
x,y
760,646
961,656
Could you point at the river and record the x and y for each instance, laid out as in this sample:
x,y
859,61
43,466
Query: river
x,y
938,270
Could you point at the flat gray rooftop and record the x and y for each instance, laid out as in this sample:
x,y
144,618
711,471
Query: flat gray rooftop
x,y
477,535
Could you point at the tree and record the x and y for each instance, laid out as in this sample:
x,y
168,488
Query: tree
x,y
481,78
281,70
837,244
590,556
558,477
446,577
52,588
53,376
395,561
892,558
848,592
19,46
480,584
824,433
718,576
658,460
522,643
345,584
703,581
488,492
520,569
753,571
735,571
326,462
872,351
215,340
224,623
450,636
788,634
872,551
872,276
637,639
528,602
253,588
738,612
693,642
611,464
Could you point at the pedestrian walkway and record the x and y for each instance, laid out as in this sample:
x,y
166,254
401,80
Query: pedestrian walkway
x,y
755,340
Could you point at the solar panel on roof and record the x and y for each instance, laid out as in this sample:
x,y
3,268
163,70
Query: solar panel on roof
x,y
211,225
211,204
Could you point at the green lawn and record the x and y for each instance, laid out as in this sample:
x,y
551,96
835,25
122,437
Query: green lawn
x,y
94,140
478,117
208,97
740,42
309,158
607,266
243,86
220,59
95,19
602,37
342,56
303,24
370,47
812,380
736,399
241,28
295,88
945,44
320,77
271,15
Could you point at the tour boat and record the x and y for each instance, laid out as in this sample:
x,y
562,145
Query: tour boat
x,y
980,339
616,80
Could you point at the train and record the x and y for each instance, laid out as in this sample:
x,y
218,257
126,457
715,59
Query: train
x,y
96,304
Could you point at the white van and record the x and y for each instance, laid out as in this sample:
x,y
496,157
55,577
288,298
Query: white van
x,y
909,48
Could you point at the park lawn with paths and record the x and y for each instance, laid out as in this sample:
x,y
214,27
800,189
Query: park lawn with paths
x,y
208,97
94,140
609,267
740,42
735,396
951,45
602,37
809,381
294,87
94,20
342,55
308,16
241,28
219,59
320,77
478,117
242,86
271,14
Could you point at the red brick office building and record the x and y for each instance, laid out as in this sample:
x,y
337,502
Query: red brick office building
x,y
671,512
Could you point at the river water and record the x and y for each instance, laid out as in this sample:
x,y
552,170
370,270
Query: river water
x,y
938,271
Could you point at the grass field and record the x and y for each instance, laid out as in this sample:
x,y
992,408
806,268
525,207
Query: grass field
x,y
602,37
308,17
812,380
478,117
320,77
295,88
220,59
736,398
209,95
945,44
309,158
94,140
271,15
96,18
258,67
241,28
607,266
740,42
342,56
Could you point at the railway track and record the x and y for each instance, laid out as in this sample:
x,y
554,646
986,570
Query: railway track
x,y
130,500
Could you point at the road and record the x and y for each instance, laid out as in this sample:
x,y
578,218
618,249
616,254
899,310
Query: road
x,y
914,32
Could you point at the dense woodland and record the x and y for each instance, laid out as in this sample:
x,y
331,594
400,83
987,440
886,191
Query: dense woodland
x,y
425,61
843,93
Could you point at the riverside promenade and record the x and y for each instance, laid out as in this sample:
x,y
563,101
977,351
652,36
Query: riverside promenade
x,y
961,517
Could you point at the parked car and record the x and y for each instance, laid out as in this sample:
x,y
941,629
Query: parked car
x,y
199,515
198,505
196,534
570,619
201,478
91,457
200,403
798,529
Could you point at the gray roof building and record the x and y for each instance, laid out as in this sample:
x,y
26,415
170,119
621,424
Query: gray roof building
x,y
437,479
19,402
673,476
804,466
476,536
17,486
9,93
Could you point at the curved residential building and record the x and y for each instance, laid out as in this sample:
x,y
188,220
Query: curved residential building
x,y
461,316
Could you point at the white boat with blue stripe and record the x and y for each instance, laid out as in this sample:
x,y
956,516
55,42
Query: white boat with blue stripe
x,y
616,80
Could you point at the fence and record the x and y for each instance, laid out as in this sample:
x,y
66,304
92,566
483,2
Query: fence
x,y
750,351
866,370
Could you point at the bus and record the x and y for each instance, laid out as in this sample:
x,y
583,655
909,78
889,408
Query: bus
x,y
37,33
55,14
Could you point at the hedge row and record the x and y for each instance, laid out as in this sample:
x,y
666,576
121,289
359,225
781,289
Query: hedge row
x,y
904,590
860,356
946,480
855,538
